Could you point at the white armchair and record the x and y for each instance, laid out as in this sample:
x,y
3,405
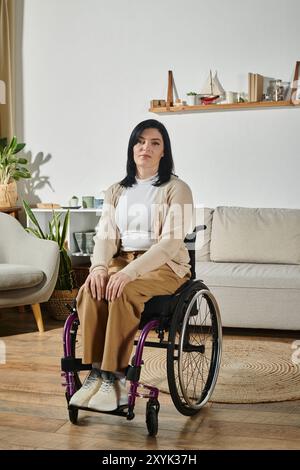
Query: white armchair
x,y
28,268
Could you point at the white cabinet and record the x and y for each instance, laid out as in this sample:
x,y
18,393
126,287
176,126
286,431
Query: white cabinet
x,y
81,220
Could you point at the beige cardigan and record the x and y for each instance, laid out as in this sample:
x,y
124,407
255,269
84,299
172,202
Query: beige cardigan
x,y
173,217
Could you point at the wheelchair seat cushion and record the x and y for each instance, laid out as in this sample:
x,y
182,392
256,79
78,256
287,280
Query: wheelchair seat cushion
x,y
156,308
158,305
161,307
18,276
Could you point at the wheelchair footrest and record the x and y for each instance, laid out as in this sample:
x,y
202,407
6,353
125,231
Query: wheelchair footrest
x,y
121,411
70,364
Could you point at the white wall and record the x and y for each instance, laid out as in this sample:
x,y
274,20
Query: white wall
x,y
90,68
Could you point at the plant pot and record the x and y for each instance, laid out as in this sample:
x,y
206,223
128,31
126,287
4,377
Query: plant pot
x,y
8,194
191,100
56,304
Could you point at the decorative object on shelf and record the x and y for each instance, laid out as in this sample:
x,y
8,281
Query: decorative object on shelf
x,y
212,90
170,99
241,97
88,202
12,169
64,289
295,88
275,90
98,202
256,86
84,241
179,102
231,97
99,199
157,103
191,98
286,90
74,201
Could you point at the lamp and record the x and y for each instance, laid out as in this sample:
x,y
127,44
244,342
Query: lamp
x,y
2,92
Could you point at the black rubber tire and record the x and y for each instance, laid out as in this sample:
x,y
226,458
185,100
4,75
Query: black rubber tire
x,y
173,354
73,415
152,410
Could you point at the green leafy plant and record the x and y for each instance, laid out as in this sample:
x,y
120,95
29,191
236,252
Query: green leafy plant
x,y
57,232
12,167
191,93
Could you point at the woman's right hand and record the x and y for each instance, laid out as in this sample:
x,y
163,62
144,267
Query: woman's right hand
x,y
96,283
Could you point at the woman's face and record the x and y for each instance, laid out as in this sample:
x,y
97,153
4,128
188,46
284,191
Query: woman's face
x,y
149,149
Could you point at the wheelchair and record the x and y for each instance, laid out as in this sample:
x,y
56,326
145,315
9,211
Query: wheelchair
x,y
188,325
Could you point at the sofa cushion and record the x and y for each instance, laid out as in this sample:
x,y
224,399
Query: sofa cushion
x,y
246,235
18,276
203,216
258,276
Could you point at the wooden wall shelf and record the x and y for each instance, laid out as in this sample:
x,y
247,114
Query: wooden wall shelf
x,y
224,107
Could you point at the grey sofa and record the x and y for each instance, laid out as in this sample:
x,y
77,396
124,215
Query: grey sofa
x,y
28,267
250,259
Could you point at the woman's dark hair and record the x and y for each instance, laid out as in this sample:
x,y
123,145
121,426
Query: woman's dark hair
x,y
166,164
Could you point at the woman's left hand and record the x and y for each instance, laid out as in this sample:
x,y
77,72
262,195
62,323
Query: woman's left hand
x,y
115,285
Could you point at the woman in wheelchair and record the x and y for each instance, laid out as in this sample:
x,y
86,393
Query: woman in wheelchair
x,y
139,253
143,275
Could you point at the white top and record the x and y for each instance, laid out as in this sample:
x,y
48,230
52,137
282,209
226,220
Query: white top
x,y
133,215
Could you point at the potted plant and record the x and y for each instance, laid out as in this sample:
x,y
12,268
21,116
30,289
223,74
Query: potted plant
x,y
64,291
191,98
11,170
74,201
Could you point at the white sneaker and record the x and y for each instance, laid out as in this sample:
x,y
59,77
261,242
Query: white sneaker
x,y
89,387
106,398
122,393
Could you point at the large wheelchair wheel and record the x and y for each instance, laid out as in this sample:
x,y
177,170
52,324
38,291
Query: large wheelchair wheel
x,y
194,349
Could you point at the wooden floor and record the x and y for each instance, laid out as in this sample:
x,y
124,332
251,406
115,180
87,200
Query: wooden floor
x,y
33,413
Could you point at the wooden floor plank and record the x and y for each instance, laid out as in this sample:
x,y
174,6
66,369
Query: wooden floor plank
x,y
32,423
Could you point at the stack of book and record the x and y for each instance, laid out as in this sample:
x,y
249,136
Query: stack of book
x,y
255,87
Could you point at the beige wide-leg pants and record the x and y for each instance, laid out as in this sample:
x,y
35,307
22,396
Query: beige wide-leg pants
x,y
108,328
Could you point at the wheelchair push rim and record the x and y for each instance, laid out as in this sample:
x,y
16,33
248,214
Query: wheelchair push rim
x,y
194,353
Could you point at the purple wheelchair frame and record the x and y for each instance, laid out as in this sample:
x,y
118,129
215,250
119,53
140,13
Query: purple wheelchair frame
x,y
69,378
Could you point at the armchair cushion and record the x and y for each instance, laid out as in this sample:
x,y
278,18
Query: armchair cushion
x,y
18,276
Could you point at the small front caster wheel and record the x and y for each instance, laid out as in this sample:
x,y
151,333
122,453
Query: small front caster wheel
x,y
152,417
73,415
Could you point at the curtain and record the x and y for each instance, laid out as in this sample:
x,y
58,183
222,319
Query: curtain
x,y
7,66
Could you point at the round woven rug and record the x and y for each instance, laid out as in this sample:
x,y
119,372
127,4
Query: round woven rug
x,y
253,370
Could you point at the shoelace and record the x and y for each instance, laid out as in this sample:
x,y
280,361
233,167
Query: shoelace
x,y
106,386
92,377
